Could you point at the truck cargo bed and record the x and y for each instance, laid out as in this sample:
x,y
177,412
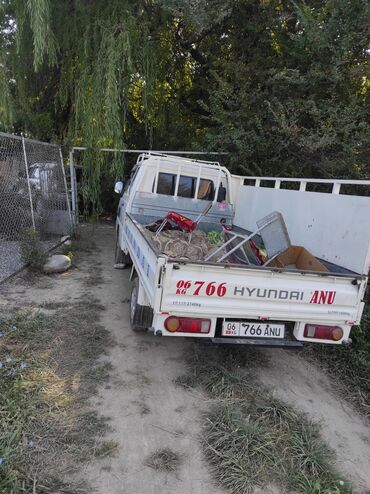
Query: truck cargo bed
x,y
141,222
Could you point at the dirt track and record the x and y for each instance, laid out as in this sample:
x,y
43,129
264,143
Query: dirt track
x,y
148,411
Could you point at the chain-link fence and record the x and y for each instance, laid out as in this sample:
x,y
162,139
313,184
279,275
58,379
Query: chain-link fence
x,y
33,193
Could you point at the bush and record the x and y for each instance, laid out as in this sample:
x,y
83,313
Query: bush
x,y
32,252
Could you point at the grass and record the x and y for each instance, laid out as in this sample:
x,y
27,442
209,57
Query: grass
x,y
164,460
349,366
106,448
46,427
78,245
250,438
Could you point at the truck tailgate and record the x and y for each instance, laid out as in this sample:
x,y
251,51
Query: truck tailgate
x,y
232,291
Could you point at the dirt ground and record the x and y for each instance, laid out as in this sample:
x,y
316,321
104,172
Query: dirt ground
x,y
148,412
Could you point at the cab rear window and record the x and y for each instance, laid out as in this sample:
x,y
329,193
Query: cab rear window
x,y
187,185
166,184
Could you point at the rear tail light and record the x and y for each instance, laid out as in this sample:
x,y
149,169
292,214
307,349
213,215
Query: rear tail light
x,y
320,332
187,325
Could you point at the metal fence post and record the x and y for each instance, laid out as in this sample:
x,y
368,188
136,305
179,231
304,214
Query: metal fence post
x,y
73,186
28,182
66,188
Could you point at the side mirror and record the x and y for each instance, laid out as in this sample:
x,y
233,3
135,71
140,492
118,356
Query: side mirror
x,y
118,188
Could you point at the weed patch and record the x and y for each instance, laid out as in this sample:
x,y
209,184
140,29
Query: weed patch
x,y
80,244
164,460
32,252
106,448
50,364
250,438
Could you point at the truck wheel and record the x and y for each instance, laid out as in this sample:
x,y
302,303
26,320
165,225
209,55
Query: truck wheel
x,y
121,260
136,310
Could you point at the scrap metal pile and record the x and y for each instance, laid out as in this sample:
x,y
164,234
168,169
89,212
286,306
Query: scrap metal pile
x,y
178,237
175,244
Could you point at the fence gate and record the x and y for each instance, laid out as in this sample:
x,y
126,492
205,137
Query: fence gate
x,y
33,193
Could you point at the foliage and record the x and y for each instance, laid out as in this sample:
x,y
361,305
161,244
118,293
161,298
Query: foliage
x,y
215,237
282,85
291,94
32,252
113,78
5,103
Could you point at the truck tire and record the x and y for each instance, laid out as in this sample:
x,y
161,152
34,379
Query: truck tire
x,y
121,260
137,312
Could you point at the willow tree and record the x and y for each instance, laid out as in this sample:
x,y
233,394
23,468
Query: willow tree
x,y
98,74
6,43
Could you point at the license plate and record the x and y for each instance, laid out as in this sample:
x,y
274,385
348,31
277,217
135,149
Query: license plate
x,y
253,329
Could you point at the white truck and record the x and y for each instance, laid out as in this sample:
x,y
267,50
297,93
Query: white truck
x,y
244,303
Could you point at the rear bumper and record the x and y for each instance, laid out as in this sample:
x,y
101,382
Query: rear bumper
x,y
261,342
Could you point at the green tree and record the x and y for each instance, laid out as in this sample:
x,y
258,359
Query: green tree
x,y
292,97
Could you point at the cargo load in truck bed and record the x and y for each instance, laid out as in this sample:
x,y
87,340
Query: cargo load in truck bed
x,y
297,257
176,245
